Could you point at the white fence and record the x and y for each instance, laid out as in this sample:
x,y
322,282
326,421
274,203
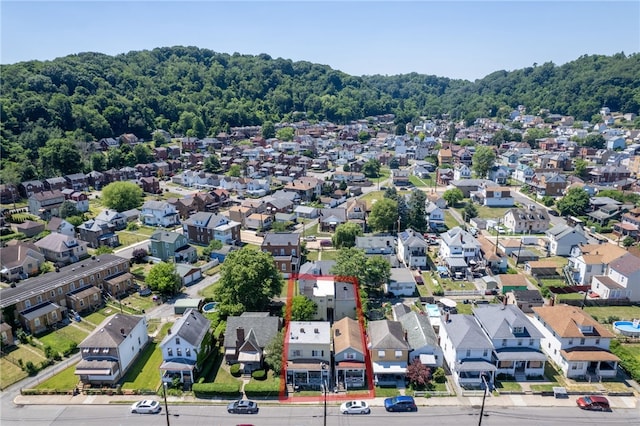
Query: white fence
x,y
464,292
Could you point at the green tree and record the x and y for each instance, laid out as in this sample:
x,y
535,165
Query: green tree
x,y
143,154
594,140
417,211
470,211
377,271
285,134
363,136
580,167
273,352
281,226
453,196
303,308
574,203
212,163
268,130
394,163
343,186
67,209
345,235
483,159
213,246
628,242
384,215
122,196
371,271
60,157
163,278
371,168
248,280
103,250
98,162
234,171
346,168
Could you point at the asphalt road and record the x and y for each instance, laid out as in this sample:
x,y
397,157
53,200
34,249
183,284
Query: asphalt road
x,y
290,415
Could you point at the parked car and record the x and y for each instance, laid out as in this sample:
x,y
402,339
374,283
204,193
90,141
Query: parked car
x,y
593,403
310,238
242,406
400,403
355,407
146,406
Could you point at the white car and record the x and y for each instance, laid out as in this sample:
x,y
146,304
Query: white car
x,y
147,406
355,407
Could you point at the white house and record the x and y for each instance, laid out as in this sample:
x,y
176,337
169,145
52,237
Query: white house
x,y
462,171
159,213
590,260
435,216
562,238
308,346
621,281
575,342
467,350
412,249
108,352
185,347
523,173
458,243
401,282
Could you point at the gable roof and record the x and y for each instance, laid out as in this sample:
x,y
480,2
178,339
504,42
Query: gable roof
x,y
418,330
347,335
190,327
385,334
500,321
465,332
111,332
566,321
266,327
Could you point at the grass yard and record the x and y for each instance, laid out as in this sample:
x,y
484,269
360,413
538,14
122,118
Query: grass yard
x,y
65,380
623,312
128,238
370,197
386,392
313,255
328,254
62,340
138,302
144,373
11,373
503,386
97,317
450,221
419,182
207,292
553,282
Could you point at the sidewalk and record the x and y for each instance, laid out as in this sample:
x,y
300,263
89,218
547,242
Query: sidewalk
x,y
515,400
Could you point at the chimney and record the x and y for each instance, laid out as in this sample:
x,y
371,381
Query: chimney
x,y
405,335
169,331
239,336
122,331
446,316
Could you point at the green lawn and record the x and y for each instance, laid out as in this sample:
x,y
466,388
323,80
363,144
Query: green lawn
x,y
373,195
622,312
450,221
145,372
65,380
313,255
328,254
11,373
386,392
416,181
207,292
485,212
503,386
95,318
138,302
63,339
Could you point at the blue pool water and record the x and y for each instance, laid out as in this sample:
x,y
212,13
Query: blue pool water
x,y
628,328
209,307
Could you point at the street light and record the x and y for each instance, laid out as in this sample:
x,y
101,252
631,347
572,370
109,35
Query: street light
x,y
166,407
483,376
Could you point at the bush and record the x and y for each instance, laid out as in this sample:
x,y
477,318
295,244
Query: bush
x,y
231,390
262,389
71,349
259,374
439,376
235,370
30,368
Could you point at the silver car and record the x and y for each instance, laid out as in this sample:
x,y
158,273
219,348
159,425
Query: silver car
x,y
242,406
147,406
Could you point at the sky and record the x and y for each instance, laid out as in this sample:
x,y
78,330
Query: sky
x,y
454,39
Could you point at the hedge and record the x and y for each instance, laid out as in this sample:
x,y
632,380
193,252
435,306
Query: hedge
x,y
627,359
262,389
235,370
216,389
259,374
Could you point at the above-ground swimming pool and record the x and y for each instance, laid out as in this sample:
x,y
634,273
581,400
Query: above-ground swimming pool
x,y
209,307
627,328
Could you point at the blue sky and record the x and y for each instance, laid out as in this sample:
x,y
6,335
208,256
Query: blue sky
x,y
455,39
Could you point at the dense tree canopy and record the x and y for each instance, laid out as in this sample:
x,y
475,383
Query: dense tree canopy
x,y
163,278
483,160
371,271
248,281
384,215
345,235
122,196
574,203
302,308
453,196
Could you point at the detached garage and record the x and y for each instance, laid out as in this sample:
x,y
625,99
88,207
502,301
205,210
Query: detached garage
x,y
188,274
183,305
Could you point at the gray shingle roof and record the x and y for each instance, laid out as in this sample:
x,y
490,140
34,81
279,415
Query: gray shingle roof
x,y
419,330
190,327
385,334
264,327
465,332
499,322
113,331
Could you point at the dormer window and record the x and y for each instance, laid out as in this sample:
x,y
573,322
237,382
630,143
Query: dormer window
x,y
518,330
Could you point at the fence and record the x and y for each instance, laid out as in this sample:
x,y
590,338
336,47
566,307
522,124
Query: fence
x,y
432,393
464,292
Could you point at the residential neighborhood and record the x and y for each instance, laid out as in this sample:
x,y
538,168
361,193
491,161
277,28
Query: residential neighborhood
x,y
475,279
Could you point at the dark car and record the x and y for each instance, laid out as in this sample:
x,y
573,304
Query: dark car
x,y
593,403
242,406
400,403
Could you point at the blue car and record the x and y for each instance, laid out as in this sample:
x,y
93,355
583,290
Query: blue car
x,y
400,403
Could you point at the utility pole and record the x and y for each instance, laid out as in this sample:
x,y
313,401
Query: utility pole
x,y
166,407
484,396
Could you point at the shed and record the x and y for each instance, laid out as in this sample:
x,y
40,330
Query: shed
x,y
182,305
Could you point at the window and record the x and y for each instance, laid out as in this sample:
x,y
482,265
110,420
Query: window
x,y
179,352
39,298
188,352
485,352
177,340
350,355
380,354
170,352
519,342
59,290
571,341
582,341
53,293
530,342
27,304
284,266
597,341
297,352
36,322
504,342
54,315
81,302
468,353
95,296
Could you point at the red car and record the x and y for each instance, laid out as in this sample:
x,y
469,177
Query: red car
x,y
593,403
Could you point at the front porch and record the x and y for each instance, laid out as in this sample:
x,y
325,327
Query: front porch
x,y
350,375
181,369
308,374
518,363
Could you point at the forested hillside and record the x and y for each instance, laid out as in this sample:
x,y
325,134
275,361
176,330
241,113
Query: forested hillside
x,y
47,107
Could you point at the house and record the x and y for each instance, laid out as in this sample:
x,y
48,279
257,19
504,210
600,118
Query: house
x,y
115,219
109,351
308,352
493,258
467,186
589,260
285,249
85,299
46,204
531,220
374,245
202,228
30,228
61,226
499,174
62,249
6,335
389,351
77,182
444,176
526,300
467,350
563,237
622,279
30,187
458,243
412,249
150,185
55,184
246,336
39,302
357,212
401,282
98,233
445,157
516,341
400,177
541,268
19,261
575,342
551,184
422,340
185,348
334,300
493,196
435,216
523,173
258,222
171,246
511,282
462,171
349,354
330,218
188,274
307,188
159,213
